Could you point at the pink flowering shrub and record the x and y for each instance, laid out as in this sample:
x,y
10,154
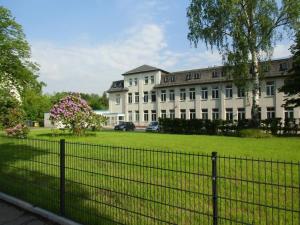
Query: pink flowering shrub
x,y
72,112
20,131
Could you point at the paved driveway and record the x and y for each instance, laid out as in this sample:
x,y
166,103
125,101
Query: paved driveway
x,y
11,215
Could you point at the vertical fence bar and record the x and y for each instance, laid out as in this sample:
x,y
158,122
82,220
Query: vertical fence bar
x,y
62,177
214,188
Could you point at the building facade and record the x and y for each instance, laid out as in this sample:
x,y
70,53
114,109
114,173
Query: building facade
x,y
147,93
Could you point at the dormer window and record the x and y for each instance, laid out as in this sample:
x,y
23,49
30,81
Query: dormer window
x,y
114,85
172,78
283,66
196,75
166,79
215,74
188,76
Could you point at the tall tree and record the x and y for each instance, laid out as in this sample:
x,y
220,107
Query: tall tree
x,y
16,68
292,82
244,32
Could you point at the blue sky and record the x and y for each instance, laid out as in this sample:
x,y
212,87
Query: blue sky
x,y
83,45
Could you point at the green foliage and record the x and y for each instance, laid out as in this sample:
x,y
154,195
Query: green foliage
x,y
254,133
292,82
97,122
16,67
7,103
35,104
244,32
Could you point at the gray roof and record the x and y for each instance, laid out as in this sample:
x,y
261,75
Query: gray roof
x,y
117,86
143,68
205,75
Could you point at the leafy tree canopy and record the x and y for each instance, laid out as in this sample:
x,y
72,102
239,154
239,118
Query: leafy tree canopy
x,y
292,83
16,67
244,32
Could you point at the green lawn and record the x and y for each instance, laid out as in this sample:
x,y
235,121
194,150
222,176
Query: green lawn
x,y
106,184
277,148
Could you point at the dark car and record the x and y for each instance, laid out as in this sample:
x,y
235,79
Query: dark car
x,y
125,126
153,127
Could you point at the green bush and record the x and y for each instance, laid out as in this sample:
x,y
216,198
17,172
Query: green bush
x,y
254,133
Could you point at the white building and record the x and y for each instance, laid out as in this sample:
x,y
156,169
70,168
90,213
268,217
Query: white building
x,y
147,93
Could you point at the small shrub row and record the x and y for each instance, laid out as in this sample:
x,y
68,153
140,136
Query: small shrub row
x,y
224,127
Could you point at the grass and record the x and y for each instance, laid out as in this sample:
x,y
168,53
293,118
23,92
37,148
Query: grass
x,y
277,148
96,195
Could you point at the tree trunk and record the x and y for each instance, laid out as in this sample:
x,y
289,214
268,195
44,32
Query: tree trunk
x,y
255,90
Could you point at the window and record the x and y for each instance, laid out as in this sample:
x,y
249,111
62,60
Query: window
x,y
188,76
137,116
215,92
172,78
215,114
228,91
182,114
136,97
163,114
130,116
153,115
229,114
163,95
135,81
166,79
205,114
146,116
118,99
171,95
270,88
241,114
204,93
172,114
215,74
196,75
146,80
283,66
152,79
289,113
153,96
270,112
130,82
192,114
145,96
241,92
129,98
182,95
192,94
259,113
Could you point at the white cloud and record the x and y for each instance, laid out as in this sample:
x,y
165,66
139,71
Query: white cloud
x,y
87,68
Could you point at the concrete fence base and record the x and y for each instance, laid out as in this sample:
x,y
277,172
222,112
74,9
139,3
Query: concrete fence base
x,y
36,210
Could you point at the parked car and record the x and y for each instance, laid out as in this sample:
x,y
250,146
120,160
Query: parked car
x,y
125,126
153,127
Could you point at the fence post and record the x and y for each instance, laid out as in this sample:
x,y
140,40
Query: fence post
x,y
62,178
214,188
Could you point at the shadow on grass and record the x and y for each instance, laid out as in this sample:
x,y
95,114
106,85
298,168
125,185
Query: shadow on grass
x,y
32,174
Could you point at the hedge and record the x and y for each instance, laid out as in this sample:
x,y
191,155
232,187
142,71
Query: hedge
x,y
224,127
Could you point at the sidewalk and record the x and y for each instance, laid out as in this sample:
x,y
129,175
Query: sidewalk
x,y
11,215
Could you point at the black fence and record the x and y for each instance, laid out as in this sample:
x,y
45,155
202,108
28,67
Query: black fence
x,y
99,184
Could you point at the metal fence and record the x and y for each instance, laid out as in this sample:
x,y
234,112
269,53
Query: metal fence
x,y
99,184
